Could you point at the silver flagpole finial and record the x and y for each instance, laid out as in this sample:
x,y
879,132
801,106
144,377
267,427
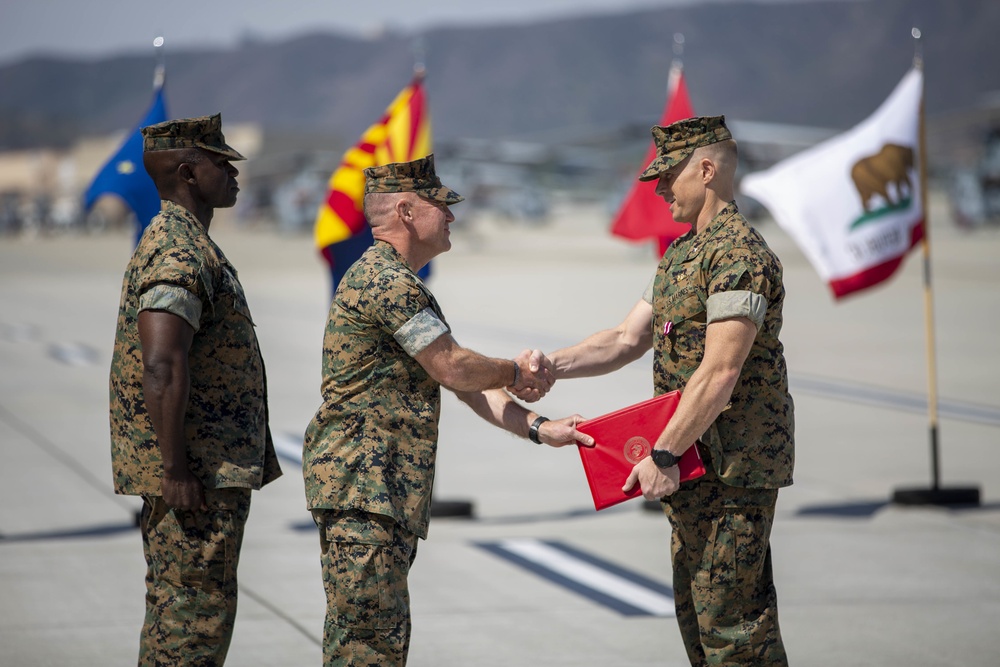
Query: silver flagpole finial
x,y
918,49
419,56
160,73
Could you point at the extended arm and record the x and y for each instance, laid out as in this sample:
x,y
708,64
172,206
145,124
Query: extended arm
x,y
166,341
608,350
463,370
498,408
727,344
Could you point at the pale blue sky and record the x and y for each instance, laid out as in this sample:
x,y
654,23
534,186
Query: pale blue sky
x,y
103,27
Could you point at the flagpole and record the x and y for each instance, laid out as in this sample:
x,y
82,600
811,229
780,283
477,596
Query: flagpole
x,y
419,58
677,66
160,72
936,494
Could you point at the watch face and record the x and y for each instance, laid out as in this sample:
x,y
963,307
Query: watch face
x,y
663,458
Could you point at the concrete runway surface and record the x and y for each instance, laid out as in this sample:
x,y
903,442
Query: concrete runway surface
x,y
536,577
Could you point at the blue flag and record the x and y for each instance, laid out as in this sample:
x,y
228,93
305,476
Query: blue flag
x,y
124,175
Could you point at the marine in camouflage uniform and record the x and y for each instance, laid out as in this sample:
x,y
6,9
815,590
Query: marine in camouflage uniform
x,y
721,271
724,591
369,452
191,554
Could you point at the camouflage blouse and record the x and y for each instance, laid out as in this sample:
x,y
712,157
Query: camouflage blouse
x,y
372,444
178,268
728,271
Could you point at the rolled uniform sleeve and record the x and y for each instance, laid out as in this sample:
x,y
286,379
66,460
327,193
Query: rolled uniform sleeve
x,y
737,303
647,296
420,331
404,309
737,289
175,300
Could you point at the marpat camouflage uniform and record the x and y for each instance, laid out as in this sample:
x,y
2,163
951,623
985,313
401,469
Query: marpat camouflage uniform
x,y
369,454
191,555
724,592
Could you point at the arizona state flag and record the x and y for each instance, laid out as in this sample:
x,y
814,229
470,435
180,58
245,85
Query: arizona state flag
x,y
123,174
402,134
644,214
853,203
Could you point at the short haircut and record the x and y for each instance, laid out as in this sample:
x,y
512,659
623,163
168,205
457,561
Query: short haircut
x,y
725,154
378,205
161,164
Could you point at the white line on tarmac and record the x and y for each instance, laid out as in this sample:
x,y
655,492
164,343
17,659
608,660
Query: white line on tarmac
x,y
288,446
628,593
73,354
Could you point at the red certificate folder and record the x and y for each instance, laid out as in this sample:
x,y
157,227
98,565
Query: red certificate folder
x,y
622,439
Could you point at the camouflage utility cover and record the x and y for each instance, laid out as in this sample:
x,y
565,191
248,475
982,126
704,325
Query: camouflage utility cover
x,y
202,132
229,444
724,271
678,140
416,176
372,444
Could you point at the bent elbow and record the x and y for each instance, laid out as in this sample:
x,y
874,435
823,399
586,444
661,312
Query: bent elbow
x,y
161,371
156,375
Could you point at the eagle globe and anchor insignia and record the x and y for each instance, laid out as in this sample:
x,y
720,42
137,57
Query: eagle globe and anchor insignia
x,y
636,449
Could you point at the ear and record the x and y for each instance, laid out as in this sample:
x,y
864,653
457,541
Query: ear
x,y
404,210
708,170
185,172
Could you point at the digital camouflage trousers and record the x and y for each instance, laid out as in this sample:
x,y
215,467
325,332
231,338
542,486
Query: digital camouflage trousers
x,y
191,561
366,560
727,608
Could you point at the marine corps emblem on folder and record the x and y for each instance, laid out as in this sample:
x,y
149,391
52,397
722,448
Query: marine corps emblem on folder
x,y
636,449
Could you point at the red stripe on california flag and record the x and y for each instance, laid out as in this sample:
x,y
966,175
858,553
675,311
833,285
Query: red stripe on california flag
x,y
874,275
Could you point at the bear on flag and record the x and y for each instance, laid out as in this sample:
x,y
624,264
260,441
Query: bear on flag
x,y
853,203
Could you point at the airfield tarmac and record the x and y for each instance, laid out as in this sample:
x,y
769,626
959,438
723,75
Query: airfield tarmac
x,y
536,576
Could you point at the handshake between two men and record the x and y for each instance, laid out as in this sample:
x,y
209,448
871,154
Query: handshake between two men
x,y
534,378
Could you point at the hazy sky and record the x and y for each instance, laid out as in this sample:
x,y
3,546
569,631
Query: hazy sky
x,y
102,27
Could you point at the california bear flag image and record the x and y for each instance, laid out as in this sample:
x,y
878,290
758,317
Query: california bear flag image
x,y
853,203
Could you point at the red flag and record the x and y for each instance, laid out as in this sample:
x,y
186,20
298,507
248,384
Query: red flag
x,y
645,215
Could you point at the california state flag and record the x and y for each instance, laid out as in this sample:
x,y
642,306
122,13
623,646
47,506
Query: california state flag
x,y
853,202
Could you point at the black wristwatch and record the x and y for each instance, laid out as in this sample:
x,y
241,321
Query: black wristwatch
x,y
533,429
664,459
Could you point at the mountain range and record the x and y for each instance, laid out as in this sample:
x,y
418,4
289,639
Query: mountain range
x,y
826,63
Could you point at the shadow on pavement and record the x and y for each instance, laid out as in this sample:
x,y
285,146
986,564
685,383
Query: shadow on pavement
x,y
868,509
71,533
581,513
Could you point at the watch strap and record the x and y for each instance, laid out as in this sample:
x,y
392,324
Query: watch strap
x,y
533,429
